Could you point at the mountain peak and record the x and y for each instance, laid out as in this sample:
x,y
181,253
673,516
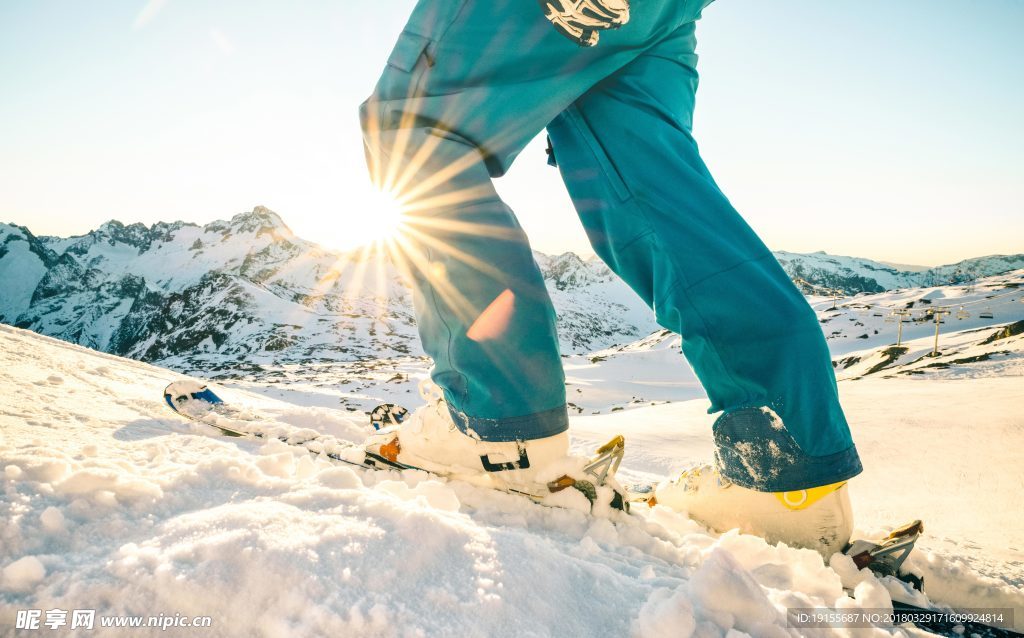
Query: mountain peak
x,y
114,232
112,225
260,219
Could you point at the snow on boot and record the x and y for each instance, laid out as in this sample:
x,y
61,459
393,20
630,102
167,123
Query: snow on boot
x,y
428,439
818,518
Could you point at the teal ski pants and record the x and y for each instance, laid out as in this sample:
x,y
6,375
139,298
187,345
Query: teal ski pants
x,y
467,86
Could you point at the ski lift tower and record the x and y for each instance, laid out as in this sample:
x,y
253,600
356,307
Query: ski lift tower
x,y
937,315
899,316
835,296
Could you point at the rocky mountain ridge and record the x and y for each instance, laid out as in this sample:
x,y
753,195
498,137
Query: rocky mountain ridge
x,y
247,291
853,275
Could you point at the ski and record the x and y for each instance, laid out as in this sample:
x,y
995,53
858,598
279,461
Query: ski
x,y
197,402
885,558
949,622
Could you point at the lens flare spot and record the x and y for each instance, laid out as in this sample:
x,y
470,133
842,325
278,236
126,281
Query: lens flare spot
x,y
493,321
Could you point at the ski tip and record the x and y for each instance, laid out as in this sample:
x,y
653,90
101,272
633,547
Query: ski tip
x,y
387,414
616,443
913,528
180,393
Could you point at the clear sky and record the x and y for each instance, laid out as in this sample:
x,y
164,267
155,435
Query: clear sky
x,y
890,130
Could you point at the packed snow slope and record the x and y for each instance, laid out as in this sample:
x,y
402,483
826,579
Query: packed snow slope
x,y
111,502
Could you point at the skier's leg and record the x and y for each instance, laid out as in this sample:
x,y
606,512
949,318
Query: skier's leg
x,y
655,215
467,86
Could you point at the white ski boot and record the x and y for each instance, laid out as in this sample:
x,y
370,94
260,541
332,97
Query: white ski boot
x,y
818,518
428,439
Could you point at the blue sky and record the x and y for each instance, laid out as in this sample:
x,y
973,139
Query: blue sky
x,y
889,130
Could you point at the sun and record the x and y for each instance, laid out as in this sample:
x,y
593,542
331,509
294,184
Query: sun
x,y
381,219
372,218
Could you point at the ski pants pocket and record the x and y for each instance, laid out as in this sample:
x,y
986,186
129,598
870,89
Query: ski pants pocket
x,y
407,75
600,157
428,23
407,69
408,51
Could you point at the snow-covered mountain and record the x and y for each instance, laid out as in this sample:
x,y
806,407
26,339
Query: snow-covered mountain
x,y
852,275
236,288
246,292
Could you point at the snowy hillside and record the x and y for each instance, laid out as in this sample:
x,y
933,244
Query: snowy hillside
x,y
651,370
111,502
979,337
866,321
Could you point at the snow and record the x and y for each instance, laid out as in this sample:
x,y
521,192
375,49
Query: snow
x,y
110,501
52,520
23,573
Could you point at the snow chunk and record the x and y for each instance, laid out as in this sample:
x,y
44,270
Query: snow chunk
x,y
725,593
666,614
23,573
49,471
98,481
280,465
52,520
430,493
871,594
339,478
